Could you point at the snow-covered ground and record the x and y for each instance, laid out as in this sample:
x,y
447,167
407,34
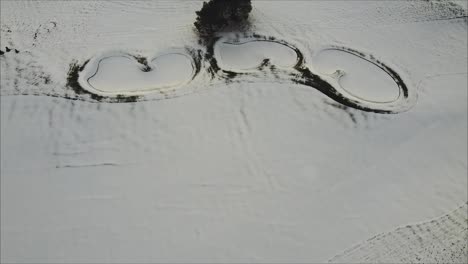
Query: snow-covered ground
x,y
253,164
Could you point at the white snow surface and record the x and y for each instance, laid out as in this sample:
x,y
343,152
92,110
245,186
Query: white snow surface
x,y
255,170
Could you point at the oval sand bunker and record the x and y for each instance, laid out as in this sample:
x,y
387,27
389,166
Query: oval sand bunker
x,y
248,54
123,74
357,76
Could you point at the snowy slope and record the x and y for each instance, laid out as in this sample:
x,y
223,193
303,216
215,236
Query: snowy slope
x,y
254,169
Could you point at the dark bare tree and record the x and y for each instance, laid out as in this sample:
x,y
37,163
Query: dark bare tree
x,y
218,14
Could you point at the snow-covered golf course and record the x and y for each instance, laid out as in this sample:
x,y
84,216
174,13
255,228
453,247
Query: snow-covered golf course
x,y
328,131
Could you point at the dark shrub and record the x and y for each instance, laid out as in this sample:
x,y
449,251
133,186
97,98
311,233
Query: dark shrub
x,y
217,14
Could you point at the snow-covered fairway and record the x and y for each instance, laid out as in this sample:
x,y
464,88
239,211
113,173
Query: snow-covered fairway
x,y
254,169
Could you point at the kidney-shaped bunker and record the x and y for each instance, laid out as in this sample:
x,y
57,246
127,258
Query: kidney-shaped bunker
x,y
243,55
124,74
359,77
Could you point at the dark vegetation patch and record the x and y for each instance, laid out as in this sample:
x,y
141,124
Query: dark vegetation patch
x,y
265,63
8,49
213,67
216,15
73,75
197,57
126,99
46,79
144,62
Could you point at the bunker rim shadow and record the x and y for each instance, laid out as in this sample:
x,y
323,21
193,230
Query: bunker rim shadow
x,y
72,83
